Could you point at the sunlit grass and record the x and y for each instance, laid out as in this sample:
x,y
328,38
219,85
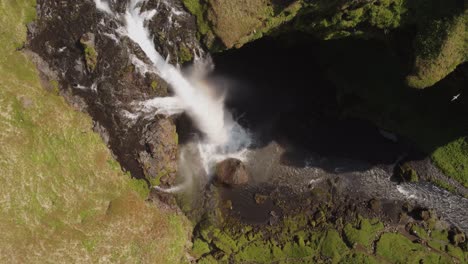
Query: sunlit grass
x,y
59,185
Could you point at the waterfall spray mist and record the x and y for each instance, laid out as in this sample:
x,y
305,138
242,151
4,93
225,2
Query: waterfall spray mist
x,y
223,137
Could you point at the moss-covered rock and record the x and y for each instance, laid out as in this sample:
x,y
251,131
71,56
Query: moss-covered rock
x,y
333,246
440,47
456,252
419,232
398,249
185,54
159,159
200,248
91,56
364,233
359,258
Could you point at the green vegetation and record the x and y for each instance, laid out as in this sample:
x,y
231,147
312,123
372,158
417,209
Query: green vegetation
x,y
359,258
296,240
200,248
90,57
440,47
330,20
156,181
406,173
64,198
140,186
55,86
399,249
237,22
154,85
364,233
452,158
185,54
419,232
332,246
198,9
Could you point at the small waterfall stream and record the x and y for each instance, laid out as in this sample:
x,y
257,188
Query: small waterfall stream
x,y
223,137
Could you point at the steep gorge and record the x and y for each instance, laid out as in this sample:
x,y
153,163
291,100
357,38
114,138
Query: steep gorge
x,y
323,88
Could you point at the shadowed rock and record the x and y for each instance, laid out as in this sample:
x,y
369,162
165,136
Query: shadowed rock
x,y
231,172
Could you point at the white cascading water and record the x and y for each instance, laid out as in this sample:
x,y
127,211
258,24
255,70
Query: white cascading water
x,y
223,136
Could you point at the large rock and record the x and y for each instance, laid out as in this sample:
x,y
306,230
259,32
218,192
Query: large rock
x,y
231,172
159,158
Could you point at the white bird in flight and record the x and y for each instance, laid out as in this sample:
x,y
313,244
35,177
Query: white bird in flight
x,y
455,97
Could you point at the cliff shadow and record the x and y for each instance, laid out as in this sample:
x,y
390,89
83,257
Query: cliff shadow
x,y
324,98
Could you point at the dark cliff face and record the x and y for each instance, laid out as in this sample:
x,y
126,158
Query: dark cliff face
x,y
95,72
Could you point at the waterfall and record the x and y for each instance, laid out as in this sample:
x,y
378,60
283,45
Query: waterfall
x,y
223,137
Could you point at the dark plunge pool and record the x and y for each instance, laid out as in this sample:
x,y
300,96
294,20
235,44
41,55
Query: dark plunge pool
x,y
281,91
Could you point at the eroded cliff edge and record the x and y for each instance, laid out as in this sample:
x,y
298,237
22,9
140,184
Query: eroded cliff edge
x,y
439,27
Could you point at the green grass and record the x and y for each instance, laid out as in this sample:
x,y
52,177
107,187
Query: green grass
x,y
364,234
398,249
64,198
333,247
140,186
452,158
294,240
440,46
359,258
198,9
90,56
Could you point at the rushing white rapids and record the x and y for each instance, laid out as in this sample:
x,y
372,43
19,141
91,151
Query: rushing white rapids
x,y
223,137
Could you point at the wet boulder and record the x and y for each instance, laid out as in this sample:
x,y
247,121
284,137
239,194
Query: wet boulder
x,y
231,172
405,173
375,205
457,237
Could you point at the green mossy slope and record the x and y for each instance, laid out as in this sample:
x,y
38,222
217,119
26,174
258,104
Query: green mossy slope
x,y
440,46
299,239
64,199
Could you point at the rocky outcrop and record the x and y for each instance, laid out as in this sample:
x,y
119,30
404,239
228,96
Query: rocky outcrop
x,y
236,22
440,45
160,154
95,68
231,172
404,173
